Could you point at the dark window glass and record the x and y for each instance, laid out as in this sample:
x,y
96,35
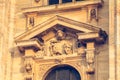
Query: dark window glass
x,y
51,2
79,0
65,1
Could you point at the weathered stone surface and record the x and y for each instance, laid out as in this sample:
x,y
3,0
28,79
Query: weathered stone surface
x,y
77,21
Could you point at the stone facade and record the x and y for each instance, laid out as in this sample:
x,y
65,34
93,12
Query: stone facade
x,y
36,37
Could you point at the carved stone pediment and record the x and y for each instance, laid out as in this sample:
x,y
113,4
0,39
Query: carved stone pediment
x,y
57,41
52,22
59,36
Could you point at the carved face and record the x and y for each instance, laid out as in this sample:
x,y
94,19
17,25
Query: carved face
x,y
93,13
68,48
60,34
56,48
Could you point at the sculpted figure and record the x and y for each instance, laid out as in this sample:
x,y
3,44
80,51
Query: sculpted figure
x,y
31,21
56,48
90,57
60,34
28,67
67,48
93,13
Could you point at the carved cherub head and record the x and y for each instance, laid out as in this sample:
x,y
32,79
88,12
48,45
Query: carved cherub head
x,y
60,34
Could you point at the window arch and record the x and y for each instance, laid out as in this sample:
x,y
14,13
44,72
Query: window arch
x,y
63,72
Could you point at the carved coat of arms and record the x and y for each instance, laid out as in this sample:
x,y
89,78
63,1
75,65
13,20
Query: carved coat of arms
x,y
60,48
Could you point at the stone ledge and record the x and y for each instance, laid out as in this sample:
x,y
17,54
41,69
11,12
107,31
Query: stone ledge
x,y
60,7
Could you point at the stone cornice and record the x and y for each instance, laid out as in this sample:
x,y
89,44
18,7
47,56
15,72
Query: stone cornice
x,y
33,43
55,21
60,7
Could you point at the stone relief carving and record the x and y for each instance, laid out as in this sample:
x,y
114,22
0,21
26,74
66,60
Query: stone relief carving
x,y
90,69
43,68
28,68
60,48
93,14
60,35
55,48
31,21
68,48
40,53
90,57
60,44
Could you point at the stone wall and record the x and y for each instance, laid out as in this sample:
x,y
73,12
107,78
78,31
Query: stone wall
x,y
102,53
13,23
118,40
6,37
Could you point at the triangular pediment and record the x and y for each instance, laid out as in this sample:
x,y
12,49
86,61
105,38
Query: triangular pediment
x,y
78,27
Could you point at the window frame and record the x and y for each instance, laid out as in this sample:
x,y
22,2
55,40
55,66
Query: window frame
x,y
61,2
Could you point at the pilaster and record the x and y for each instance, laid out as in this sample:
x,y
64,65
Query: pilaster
x,y
117,39
112,40
90,59
29,64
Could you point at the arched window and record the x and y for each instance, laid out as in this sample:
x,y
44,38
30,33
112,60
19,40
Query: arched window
x,y
65,1
63,73
51,2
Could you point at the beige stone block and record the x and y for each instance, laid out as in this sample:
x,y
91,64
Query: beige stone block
x,y
29,52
